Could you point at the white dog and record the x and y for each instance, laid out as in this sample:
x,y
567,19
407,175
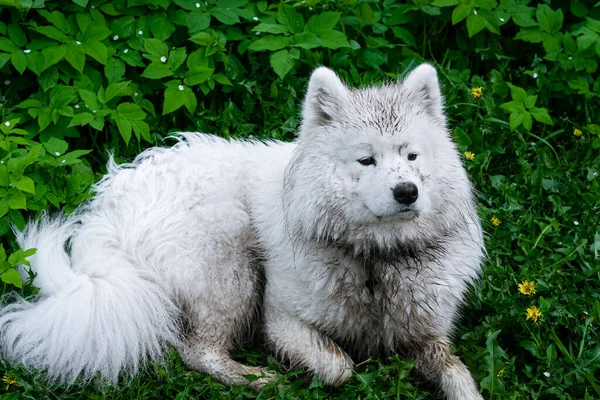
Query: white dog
x,y
360,238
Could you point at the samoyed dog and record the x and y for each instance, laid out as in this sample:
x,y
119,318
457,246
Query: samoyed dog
x,y
360,238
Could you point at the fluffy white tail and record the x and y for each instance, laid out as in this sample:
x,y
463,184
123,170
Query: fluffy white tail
x,y
96,312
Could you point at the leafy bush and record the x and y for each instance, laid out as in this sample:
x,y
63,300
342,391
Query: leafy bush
x,y
82,78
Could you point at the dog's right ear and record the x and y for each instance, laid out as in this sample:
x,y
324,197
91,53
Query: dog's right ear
x,y
325,98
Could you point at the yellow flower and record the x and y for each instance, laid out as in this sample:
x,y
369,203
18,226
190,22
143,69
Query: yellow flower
x,y
500,373
495,221
533,313
477,92
577,132
9,380
527,288
469,156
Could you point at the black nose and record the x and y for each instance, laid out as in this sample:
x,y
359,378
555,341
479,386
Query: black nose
x,y
406,193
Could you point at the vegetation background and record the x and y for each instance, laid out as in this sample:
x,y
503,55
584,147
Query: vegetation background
x,y
82,78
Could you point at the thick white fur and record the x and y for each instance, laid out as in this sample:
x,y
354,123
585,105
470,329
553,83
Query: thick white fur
x,y
186,234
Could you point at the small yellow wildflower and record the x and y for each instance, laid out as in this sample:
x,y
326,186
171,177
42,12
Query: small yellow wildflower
x,y
495,221
533,313
9,380
527,288
477,92
577,132
469,156
500,373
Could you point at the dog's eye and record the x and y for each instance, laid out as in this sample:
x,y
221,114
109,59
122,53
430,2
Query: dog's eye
x,y
412,157
367,161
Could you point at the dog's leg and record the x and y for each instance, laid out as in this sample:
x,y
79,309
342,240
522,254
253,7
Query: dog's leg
x,y
303,345
435,361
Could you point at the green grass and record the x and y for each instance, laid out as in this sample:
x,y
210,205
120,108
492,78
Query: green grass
x,y
537,65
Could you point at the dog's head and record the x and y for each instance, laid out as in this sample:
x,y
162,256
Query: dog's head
x,y
373,161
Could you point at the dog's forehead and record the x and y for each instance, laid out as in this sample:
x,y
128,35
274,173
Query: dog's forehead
x,y
380,109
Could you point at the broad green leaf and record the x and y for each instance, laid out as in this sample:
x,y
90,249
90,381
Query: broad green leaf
x,y
197,21
174,98
81,119
322,22
56,146
75,55
527,121
333,40
270,28
515,120
53,54
89,99
306,40
82,3
114,70
19,61
513,106
461,12
124,27
12,277
517,93
176,58
270,43
404,35
52,33
475,24
29,103
156,47
17,219
197,75
222,79
114,89
17,200
190,101
531,35
157,70
141,129
35,62
290,18
366,15
97,50
162,29
25,184
530,101
57,19
541,115
16,34
7,45
124,127
550,21
72,157
131,111
445,3
227,17
282,62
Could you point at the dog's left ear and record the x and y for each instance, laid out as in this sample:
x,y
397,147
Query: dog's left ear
x,y
422,85
325,98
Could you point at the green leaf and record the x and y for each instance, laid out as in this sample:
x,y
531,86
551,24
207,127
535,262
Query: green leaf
x,y
541,115
404,35
16,34
81,119
124,127
54,145
197,75
156,47
282,62
174,99
157,70
531,35
475,24
141,129
493,365
12,277
197,21
176,58
124,27
290,18
114,70
162,29
550,21
19,61
7,45
75,55
461,12
35,62
517,93
270,43
365,14
4,57
131,111
513,106
333,40
306,40
57,19
44,118
580,84
190,101
53,54
445,3
515,120
270,28
527,121
322,22
96,50
114,89
52,33
82,3
17,219
25,184
227,17
89,99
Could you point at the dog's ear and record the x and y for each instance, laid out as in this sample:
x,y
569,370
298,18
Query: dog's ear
x,y
325,98
422,86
